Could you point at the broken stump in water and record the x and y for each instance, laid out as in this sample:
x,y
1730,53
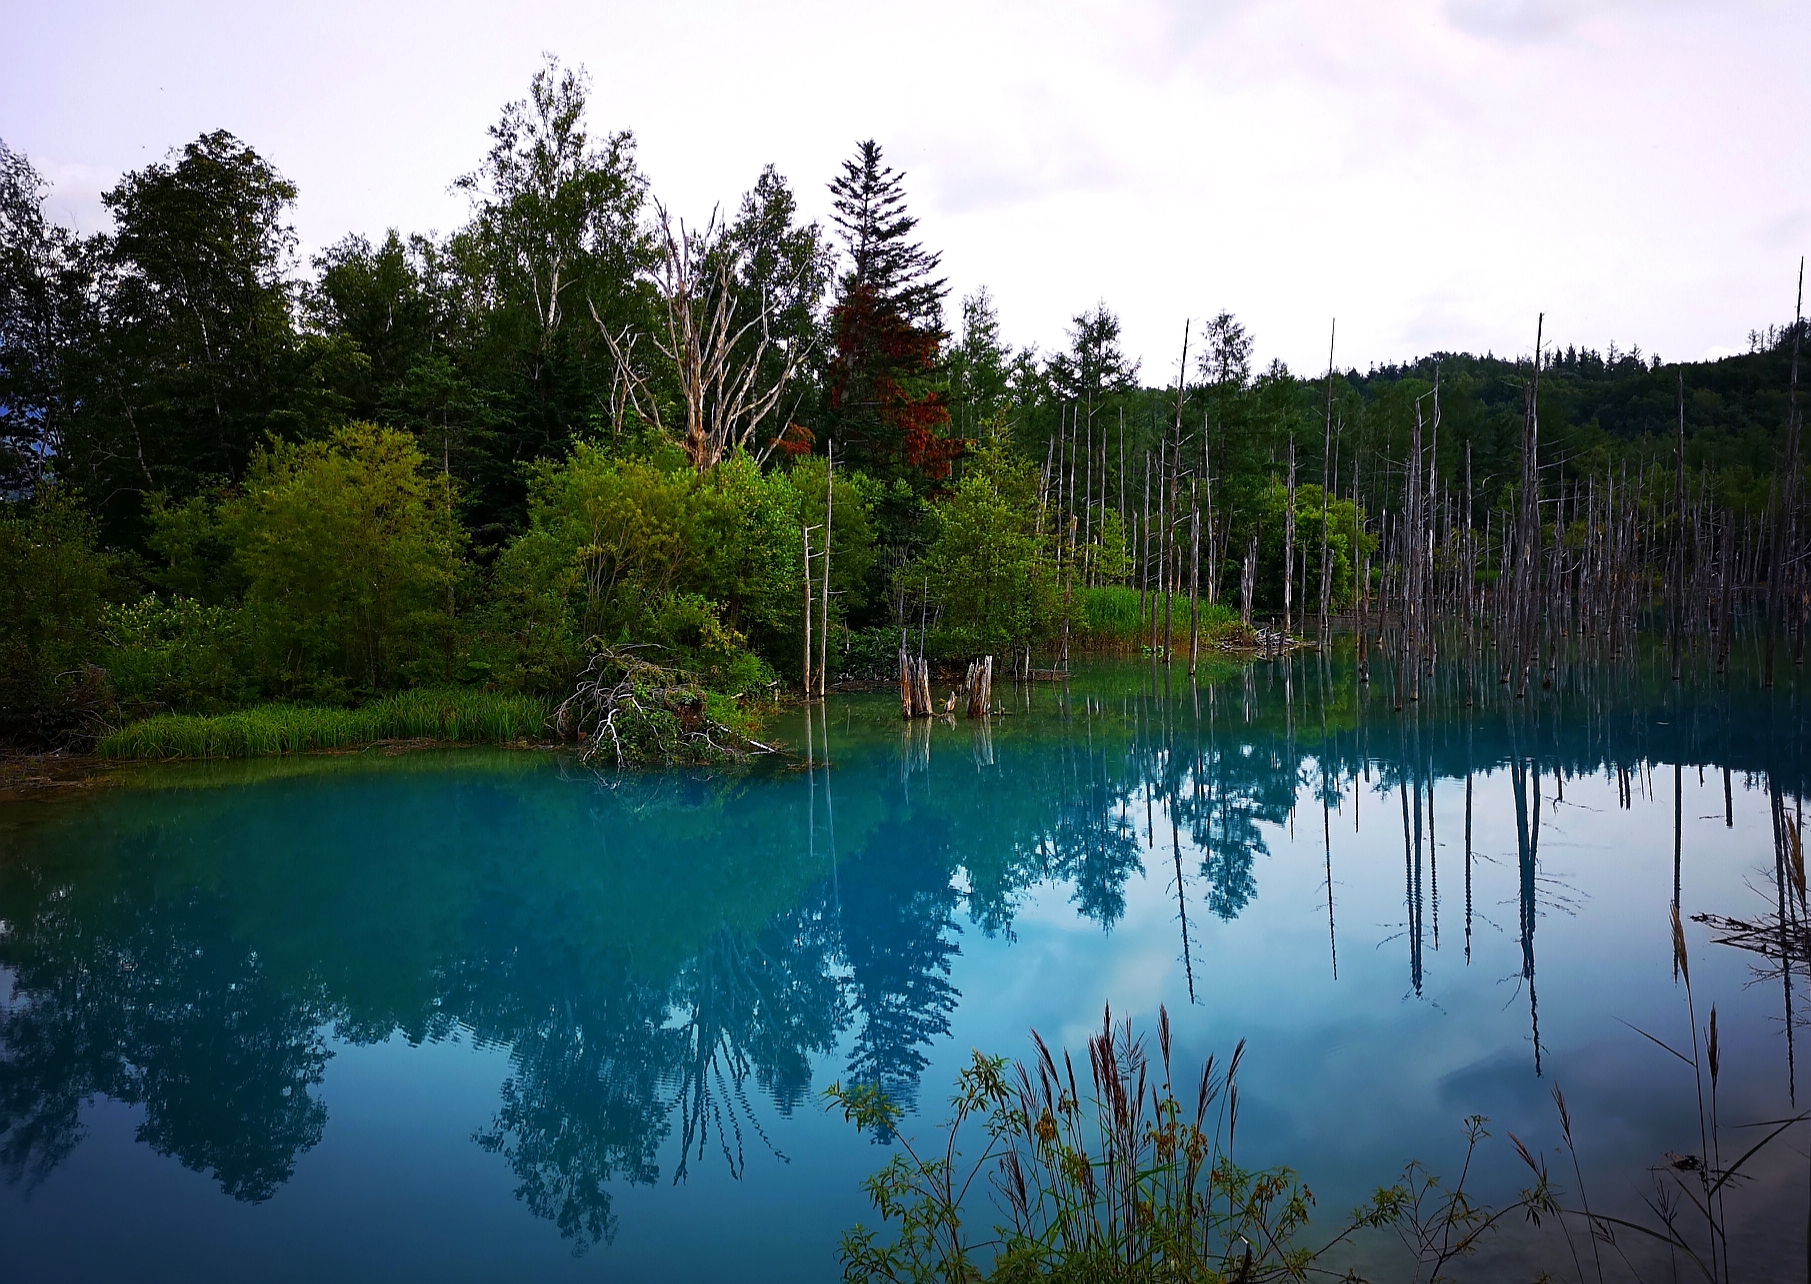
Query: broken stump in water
x,y
980,686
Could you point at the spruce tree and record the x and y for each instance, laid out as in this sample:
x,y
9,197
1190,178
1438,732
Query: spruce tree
x,y
888,404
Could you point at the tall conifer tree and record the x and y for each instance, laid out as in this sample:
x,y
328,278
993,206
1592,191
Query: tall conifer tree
x,y
887,400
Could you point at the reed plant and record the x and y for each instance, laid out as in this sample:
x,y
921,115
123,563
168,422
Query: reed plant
x,y
1688,1203
1120,1178
1116,616
457,714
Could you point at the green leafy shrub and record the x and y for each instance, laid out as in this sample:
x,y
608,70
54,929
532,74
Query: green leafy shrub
x,y
177,655
984,564
868,654
351,553
195,559
54,588
1341,520
647,550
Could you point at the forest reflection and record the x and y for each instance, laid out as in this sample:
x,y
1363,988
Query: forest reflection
x,y
661,954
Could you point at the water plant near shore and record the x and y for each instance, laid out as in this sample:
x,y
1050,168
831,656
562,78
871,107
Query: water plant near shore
x,y
1119,1178
460,714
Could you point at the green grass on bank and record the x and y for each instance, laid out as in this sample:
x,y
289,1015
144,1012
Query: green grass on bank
x,y
1110,616
457,713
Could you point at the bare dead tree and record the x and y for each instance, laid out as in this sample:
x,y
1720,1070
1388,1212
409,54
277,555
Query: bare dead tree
x,y
805,532
1326,490
720,357
1289,541
823,661
1786,489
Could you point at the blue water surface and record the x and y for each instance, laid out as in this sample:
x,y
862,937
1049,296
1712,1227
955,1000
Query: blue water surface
x,y
467,1014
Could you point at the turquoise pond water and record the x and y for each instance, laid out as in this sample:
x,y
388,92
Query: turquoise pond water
x,y
489,1015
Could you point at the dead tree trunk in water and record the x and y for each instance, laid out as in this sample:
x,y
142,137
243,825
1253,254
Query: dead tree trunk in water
x,y
1144,575
1326,481
1069,591
1194,593
1783,522
1361,566
1158,584
1679,536
1207,484
805,671
1471,589
908,679
1428,521
1528,536
823,653
1088,483
1172,559
1289,540
1413,560
980,687
1248,576
1169,636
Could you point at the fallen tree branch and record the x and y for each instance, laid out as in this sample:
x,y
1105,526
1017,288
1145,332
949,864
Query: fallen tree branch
x,y
645,713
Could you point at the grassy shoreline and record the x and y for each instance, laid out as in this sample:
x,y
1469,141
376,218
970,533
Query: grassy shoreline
x,y
1108,625
457,714
1109,621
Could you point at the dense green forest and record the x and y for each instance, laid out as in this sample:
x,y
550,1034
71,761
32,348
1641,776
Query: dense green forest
x,y
578,421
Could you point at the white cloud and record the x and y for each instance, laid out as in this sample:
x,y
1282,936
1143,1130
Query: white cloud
x,y
1514,19
1433,172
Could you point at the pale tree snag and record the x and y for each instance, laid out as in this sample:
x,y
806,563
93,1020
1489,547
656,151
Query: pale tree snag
x,y
720,357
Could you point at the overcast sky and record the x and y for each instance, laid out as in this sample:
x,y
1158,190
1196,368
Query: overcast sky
x,y
1433,173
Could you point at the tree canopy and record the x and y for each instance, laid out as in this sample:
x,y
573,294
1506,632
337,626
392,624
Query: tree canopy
x,y
579,416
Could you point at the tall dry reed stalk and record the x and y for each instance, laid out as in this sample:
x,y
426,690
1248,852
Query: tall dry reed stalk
x,y
1118,1178
1689,1200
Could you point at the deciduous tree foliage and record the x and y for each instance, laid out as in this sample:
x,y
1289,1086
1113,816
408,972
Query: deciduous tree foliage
x,y
986,564
419,458
350,552
46,275
194,356
54,586
556,231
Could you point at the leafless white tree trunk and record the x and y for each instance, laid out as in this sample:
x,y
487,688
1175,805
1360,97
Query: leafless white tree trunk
x,y
720,357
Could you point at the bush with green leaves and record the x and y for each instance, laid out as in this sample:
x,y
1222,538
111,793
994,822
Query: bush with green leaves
x,y
855,553
1340,517
351,553
54,589
615,549
985,565
177,655
644,549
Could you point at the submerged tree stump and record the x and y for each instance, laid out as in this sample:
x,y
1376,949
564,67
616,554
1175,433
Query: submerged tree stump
x,y
980,686
914,683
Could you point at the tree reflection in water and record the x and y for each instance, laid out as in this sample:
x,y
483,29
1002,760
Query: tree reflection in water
x,y
153,1002
662,954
